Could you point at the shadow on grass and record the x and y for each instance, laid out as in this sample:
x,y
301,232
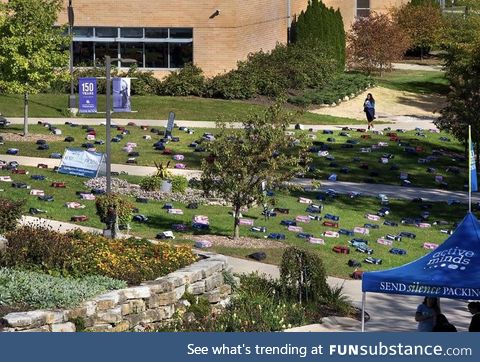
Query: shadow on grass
x,y
30,101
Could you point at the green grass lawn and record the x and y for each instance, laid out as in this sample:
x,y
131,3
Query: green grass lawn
x,y
415,81
351,211
155,107
418,175
343,157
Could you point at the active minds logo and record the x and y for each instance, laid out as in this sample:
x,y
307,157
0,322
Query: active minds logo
x,y
453,258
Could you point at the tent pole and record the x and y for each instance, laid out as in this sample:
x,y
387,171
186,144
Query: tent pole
x,y
471,159
364,294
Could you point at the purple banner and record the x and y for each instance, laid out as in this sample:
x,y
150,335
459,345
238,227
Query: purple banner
x,y
87,89
121,95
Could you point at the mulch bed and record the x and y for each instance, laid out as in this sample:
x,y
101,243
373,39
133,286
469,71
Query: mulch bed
x,y
242,242
17,137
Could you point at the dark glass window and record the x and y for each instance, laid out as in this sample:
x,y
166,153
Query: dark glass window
x,y
132,51
106,32
131,32
181,33
363,13
156,55
156,33
83,32
180,54
103,49
363,4
82,54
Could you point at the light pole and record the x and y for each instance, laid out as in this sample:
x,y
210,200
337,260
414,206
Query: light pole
x,y
71,20
108,148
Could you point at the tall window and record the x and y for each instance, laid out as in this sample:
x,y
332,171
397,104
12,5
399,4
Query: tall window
x,y
363,8
164,48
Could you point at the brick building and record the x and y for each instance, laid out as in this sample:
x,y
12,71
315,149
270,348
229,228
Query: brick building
x,y
214,34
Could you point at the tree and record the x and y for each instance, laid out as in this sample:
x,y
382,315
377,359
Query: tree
x,y
422,21
462,65
375,42
32,48
319,25
241,160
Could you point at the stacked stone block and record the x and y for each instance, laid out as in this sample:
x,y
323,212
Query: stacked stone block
x,y
135,308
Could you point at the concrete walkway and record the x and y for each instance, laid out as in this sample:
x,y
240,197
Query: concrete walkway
x,y
409,123
388,313
423,67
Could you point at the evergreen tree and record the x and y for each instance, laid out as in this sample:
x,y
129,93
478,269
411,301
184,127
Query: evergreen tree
x,y
319,25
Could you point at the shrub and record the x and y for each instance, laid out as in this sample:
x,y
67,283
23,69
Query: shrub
x,y
188,81
232,85
285,68
37,248
302,276
151,183
179,184
79,254
144,83
123,208
199,306
342,85
10,212
38,290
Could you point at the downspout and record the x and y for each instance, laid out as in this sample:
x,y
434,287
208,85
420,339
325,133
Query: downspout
x,y
289,21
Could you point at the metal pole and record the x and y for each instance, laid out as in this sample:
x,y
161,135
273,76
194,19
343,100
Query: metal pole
x,y
364,295
108,123
71,100
25,114
470,160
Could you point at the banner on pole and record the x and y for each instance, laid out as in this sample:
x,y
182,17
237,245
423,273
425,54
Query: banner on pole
x,y
87,100
121,95
79,162
170,123
473,168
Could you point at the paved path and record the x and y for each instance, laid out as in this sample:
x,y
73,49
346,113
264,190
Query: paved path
x,y
341,187
407,123
388,313
424,67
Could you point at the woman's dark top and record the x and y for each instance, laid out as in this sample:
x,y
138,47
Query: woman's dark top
x,y
475,323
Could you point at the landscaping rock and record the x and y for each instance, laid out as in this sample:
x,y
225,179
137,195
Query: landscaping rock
x,y
213,281
137,292
112,316
197,288
32,319
100,328
133,306
63,327
123,326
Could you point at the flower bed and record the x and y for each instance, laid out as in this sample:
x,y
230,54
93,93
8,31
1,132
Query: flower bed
x,y
80,254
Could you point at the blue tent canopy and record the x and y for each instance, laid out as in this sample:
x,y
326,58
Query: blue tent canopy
x,y
450,271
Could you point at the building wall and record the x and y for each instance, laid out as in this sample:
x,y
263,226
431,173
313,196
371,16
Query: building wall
x,y
348,7
241,27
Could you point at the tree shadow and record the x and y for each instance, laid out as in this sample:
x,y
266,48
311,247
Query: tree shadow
x,y
35,102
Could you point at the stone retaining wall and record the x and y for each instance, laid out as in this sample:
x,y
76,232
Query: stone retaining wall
x,y
136,308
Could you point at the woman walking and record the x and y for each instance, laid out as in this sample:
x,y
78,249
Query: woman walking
x,y
369,109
